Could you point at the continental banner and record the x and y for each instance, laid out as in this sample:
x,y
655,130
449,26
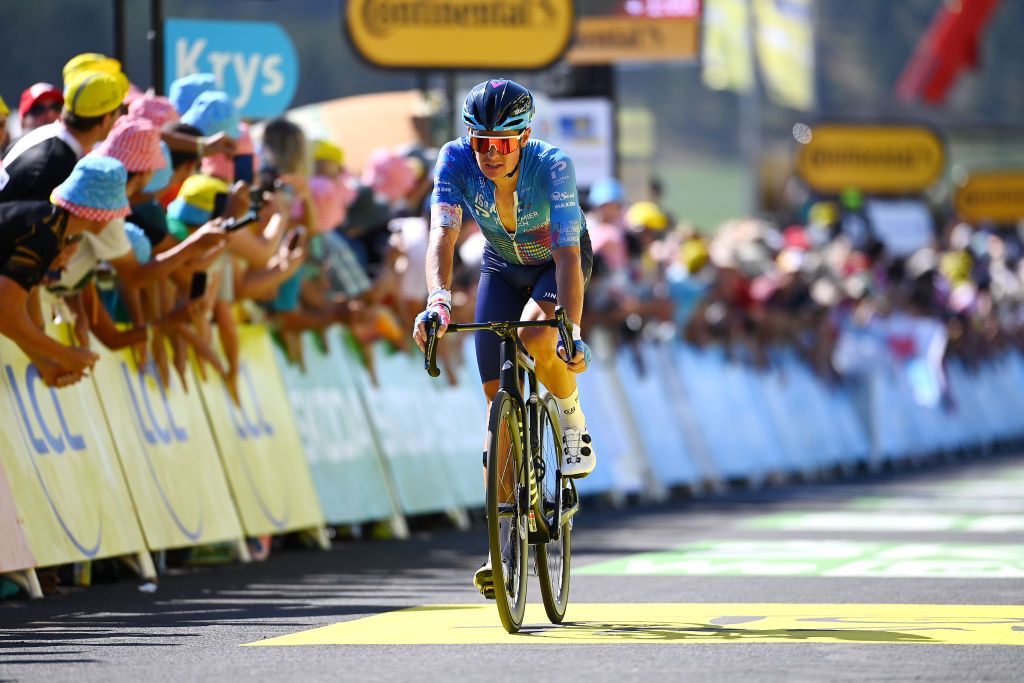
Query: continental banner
x,y
992,196
63,471
460,34
411,428
168,454
872,159
610,40
259,445
347,468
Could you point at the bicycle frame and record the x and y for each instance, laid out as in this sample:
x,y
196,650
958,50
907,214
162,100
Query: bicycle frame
x,y
514,361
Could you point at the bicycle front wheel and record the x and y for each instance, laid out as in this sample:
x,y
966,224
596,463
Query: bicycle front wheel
x,y
507,509
552,557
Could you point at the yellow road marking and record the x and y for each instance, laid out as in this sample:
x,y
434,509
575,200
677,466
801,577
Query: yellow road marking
x,y
681,623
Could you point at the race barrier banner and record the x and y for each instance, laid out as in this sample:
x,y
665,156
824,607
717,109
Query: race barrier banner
x,y
63,471
410,430
347,467
259,444
15,554
167,452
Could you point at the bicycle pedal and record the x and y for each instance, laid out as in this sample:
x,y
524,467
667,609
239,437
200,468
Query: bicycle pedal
x,y
488,592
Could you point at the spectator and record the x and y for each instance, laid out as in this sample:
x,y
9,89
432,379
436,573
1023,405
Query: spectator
x,y
40,105
39,238
4,112
44,158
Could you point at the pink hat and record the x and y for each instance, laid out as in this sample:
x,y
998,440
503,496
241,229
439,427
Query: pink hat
x,y
153,108
133,94
219,166
136,144
388,174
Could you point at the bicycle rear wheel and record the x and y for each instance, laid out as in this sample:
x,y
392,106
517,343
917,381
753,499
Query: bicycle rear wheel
x,y
552,557
507,505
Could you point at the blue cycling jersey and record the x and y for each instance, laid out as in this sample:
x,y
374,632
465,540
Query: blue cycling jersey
x,y
547,208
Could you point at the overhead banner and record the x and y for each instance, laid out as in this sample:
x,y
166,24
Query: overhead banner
x,y
347,468
259,445
460,34
255,62
168,454
785,50
727,61
994,196
611,40
873,159
60,462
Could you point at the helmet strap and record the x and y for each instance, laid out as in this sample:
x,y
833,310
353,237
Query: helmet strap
x,y
516,167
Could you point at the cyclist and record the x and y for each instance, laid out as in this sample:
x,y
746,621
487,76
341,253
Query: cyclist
x,y
522,193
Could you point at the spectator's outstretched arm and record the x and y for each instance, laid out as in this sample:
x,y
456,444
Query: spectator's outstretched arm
x,y
103,326
262,284
205,243
59,365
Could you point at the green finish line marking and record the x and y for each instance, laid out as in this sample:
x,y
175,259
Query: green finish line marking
x,y
830,558
886,521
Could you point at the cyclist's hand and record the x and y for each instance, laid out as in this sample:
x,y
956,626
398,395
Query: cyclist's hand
x,y
440,302
580,360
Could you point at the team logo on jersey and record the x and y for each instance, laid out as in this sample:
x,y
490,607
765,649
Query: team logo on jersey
x,y
482,207
562,196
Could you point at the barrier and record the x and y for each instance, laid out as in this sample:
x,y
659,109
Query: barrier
x,y
259,445
168,454
63,471
15,554
410,433
344,460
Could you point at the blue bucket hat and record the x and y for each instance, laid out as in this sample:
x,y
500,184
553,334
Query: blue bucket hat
x,y
95,190
606,191
161,177
213,112
140,243
186,89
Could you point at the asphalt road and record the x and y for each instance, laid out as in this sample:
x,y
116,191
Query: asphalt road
x,y
915,575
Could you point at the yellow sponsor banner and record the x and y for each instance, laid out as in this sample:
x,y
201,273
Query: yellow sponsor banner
x,y
607,40
680,624
460,34
785,48
62,468
996,196
168,454
873,159
14,551
727,61
259,443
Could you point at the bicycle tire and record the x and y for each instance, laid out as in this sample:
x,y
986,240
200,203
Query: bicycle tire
x,y
506,482
554,557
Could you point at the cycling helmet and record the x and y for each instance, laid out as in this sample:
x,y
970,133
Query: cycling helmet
x,y
498,104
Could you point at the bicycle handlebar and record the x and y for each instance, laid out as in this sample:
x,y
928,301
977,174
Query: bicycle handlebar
x,y
561,321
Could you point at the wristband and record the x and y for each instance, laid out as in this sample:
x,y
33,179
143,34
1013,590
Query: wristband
x,y
440,296
576,334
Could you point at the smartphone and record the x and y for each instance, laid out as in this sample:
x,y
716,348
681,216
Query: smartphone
x,y
243,168
233,224
220,202
296,238
198,287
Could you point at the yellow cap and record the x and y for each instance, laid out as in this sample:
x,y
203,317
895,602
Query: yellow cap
x,y
324,150
94,93
647,215
4,111
823,213
201,191
91,61
695,254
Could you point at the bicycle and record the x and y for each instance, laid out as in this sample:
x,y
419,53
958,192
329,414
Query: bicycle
x,y
528,500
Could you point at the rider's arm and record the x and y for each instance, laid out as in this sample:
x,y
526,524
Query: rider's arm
x,y
569,278
445,220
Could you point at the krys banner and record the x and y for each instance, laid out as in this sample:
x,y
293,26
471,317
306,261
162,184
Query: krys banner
x,y
254,62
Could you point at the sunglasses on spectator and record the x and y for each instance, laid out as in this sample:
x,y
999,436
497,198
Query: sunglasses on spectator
x,y
503,145
41,108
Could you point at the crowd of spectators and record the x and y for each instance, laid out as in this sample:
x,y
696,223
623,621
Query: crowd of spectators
x,y
824,283
159,224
